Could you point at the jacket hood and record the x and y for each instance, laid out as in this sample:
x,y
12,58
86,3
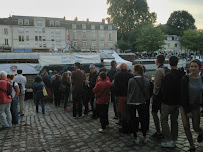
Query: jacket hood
x,y
177,73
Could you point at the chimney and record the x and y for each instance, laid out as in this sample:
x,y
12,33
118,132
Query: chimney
x,y
103,21
64,18
76,19
88,20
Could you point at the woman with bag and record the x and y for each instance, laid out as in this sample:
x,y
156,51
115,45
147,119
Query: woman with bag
x,y
65,89
38,87
102,94
15,99
137,96
191,98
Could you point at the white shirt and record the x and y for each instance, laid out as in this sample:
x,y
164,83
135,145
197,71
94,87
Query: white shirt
x,y
13,90
19,78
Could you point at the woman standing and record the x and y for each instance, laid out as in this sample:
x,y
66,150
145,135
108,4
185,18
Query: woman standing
x,y
191,98
65,89
38,93
56,83
15,99
138,94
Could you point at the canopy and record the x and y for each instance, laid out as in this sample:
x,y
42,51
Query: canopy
x,y
27,68
55,59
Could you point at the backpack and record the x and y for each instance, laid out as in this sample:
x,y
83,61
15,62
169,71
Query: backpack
x,y
20,87
9,89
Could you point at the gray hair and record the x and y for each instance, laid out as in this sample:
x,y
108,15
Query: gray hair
x,y
118,67
3,74
92,65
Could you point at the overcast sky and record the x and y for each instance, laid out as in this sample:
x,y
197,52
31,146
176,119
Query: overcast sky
x,y
95,10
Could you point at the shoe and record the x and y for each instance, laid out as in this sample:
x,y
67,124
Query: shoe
x,y
65,110
157,135
22,114
191,150
200,138
168,144
136,140
93,117
118,122
80,117
74,117
144,139
102,130
115,117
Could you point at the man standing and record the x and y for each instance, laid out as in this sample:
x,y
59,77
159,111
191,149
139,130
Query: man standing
x,y
5,101
121,89
77,89
171,103
90,95
21,80
111,73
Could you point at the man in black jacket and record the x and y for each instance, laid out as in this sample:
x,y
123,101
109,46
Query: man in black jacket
x,y
171,103
111,73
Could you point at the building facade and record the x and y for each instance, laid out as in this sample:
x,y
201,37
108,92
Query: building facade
x,y
42,34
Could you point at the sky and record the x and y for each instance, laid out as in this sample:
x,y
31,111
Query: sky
x,y
95,10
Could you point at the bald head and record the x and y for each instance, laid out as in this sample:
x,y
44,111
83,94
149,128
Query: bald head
x,y
124,66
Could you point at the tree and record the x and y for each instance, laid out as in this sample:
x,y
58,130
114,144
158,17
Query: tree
x,y
180,21
128,14
150,39
193,40
122,45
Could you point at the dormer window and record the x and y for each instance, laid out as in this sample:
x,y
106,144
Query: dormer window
x,y
84,26
20,21
93,27
57,23
73,26
51,23
26,22
101,27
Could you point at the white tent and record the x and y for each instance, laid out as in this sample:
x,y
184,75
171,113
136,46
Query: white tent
x,y
118,59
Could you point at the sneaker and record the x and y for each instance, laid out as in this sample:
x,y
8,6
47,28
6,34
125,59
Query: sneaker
x,y
80,117
101,130
144,139
74,117
115,117
157,135
136,140
168,144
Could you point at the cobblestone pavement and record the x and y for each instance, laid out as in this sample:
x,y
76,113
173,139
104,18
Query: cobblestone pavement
x,y
57,131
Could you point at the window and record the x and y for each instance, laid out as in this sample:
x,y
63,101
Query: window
x,y
20,22
109,27
52,38
110,45
75,44
84,35
93,44
84,44
110,35
52,31
176,45
93,34
44,45
6,41
40,45
58,31
73,26
102,45
93,27
21,38
27,30
172,38
43,30
51,23
84,26
5,31
57,23
40,38
36,38
39,23
58,39
166,37
20,30
27,38
101,27
75,35
26,22
43,38
101,35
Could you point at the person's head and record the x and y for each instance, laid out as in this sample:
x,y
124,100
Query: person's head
x,y
124,66
57,77
103,70
138,70
55,72
113,63
77,65
160,59
10,77
46,74
173,60
92,68
195,66
102,76
19,71
3,74
118,68
65,76
38,79
50,71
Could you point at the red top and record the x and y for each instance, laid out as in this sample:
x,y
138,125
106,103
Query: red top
x,y
3,95
99,88
98,79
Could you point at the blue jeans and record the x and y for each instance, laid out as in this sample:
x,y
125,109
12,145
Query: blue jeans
x,y
5,115
42,103
14,110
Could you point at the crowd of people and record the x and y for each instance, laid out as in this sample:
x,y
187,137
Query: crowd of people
x,y
172,91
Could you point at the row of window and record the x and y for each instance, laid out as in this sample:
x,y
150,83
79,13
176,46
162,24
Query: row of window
x,y
84,27
169,45
37,30
40,45
93,46
38,38
84,35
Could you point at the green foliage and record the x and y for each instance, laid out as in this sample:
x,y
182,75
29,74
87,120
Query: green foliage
x,y
193,40
163,28
180,21
150,39
122,45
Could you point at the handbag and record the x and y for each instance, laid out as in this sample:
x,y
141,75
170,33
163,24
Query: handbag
x,y
44,91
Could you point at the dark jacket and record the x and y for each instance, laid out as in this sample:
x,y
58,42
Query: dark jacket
x,y
56,84
47,81
92,79
121,83
38,89
111,73
171,87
